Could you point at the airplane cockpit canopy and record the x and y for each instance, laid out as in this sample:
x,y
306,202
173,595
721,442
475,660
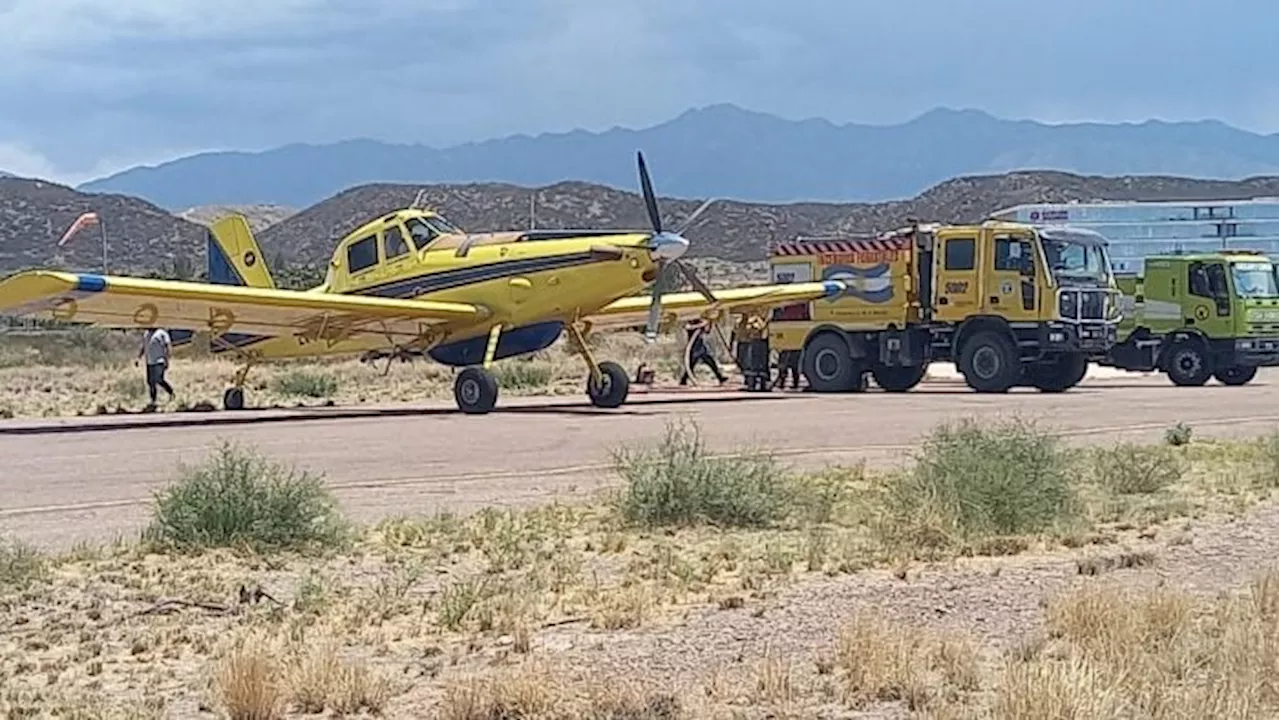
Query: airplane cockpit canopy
x,y
424,230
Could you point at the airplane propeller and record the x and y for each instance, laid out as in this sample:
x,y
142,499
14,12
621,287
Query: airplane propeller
x,y
668,246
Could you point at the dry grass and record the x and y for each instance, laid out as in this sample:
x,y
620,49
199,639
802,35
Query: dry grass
x,y
59,375
1160,654
413,606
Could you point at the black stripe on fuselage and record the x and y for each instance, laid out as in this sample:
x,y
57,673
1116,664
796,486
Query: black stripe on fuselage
x,y
408,288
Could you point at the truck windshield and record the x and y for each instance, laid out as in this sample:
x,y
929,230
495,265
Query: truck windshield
x,y
1076,261
1254,279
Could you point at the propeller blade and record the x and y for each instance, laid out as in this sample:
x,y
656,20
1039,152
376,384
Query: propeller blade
x,y
655,306
695,281
650,200
688,222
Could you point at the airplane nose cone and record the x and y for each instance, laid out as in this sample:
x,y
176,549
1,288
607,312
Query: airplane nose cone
x,y
668,246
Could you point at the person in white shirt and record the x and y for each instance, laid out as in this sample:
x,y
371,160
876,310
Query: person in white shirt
x,y
157,348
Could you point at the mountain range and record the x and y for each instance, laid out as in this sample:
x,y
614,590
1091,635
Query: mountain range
x,y
145,238
718,151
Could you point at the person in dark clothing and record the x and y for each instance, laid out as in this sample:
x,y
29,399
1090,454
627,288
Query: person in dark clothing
x,y
699,352
788,362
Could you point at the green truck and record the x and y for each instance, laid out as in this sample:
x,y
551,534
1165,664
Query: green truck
x,y
1197,316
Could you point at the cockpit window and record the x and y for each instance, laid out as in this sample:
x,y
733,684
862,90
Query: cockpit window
x,y
422,233
393,244
442,226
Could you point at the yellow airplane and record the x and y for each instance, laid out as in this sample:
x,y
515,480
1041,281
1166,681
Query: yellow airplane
x,y
411,283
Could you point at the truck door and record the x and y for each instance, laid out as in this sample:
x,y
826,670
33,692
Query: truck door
x,y
957,277
1010,287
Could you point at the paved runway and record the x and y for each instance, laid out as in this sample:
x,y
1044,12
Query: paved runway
x,y
62,485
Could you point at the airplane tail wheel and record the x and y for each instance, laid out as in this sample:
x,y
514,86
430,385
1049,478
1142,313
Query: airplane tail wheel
x,y
613,387
475,390
233,398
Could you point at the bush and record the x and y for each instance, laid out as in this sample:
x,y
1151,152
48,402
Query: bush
x,y
239,499
972,481
1177,435
523,375
20,565
1269,461
304,383
1136,469
676,482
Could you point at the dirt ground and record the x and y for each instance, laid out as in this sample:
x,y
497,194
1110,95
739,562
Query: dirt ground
x,y
767,639
58,488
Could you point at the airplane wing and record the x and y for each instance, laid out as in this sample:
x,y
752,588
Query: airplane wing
x,y
634,311
128,302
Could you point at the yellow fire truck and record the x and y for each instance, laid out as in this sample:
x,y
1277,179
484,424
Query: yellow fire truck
x,y
1010,304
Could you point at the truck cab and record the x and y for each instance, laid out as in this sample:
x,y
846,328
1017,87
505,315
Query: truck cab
x,y
1008,303
1198,316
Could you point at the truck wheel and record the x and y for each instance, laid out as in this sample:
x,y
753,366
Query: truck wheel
x,y
1062,374
989,362
827,364
899,378
1235,375
1188,364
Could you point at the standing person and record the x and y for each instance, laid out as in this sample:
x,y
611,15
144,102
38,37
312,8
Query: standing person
x,y
698,352
157,349
788,362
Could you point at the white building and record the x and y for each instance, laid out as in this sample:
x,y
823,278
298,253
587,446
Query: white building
x,y
1138,229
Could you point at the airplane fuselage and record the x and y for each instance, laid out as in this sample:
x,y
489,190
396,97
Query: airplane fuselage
x,y
531,283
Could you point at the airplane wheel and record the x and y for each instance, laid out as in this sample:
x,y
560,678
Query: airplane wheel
x,y
233,398
475,390
615,386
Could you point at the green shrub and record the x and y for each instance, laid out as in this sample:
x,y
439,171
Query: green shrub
x,y
676,482
20,565
523,375
1177,435
1131,469
305,383
973,480
237,498
1267,464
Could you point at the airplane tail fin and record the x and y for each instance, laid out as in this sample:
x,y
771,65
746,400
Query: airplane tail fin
x,y
234,257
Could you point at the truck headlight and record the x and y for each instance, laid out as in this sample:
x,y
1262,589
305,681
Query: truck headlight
x,y
1244,344
1067,306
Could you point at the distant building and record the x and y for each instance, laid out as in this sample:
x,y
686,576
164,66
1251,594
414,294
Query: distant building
x,y
1138,229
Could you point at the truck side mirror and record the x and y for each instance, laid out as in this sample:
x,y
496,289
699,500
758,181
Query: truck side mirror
x,y
1027,265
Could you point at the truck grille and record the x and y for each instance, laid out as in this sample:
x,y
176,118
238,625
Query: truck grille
x,y
1264,329
1076,305
1092,305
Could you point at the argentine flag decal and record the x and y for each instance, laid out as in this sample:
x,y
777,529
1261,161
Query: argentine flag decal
x,y
873,284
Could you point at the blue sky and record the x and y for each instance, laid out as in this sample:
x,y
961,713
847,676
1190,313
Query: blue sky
x,y
93,86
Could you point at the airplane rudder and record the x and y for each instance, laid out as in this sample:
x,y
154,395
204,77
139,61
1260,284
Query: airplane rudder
x,y
234,257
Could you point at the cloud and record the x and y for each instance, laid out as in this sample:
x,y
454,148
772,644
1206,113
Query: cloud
x,y
101,83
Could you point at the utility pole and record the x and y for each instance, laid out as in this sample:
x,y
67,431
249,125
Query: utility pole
x,y
102,230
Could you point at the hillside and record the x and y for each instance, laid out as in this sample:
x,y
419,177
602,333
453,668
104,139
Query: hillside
x,y
140,236
722,151
143,238
730,230
260,217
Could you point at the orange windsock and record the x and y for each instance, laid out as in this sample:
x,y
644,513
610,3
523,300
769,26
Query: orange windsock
x,y
85,220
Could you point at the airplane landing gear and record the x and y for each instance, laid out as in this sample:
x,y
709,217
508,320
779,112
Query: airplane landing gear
x,y
233,398
611,390
475,390
607,382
